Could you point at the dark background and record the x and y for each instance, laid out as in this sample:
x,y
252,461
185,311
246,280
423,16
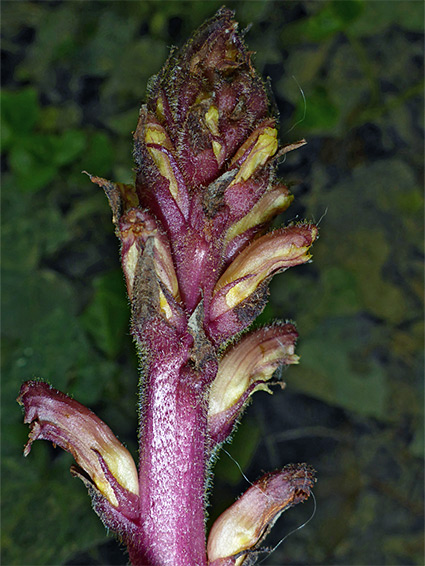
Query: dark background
x,y
73,77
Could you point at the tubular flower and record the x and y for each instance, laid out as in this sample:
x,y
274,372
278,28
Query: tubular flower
x,y
236,534
100,456
270,254
244,369
197,258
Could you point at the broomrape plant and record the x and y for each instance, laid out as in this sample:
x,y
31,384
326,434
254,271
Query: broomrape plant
x,y
197,260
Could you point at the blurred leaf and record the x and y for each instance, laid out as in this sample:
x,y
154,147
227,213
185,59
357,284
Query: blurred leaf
x,y
50,342
54,41
123,174
416,447
377,16
349,84
6,136
139,61
31,174
380,296
41,499
68,146
87,207
331,18
107,317
372,236
400,546
301,69
99,157
19,15
62,117
124,122
29,231
348,11
31,298
112,29
395,67
321,112
335,368
35,158
19,110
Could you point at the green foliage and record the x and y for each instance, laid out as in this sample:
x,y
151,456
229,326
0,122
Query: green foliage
x,y
106,317
76,73
336,368
34,157
35,488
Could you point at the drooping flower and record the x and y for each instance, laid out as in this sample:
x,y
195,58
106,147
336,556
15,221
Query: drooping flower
x,y
104,464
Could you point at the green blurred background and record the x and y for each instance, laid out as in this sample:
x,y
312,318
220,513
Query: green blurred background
x,y
73,77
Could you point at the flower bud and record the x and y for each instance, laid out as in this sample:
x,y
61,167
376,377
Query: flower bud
x,y
56,417
160,148
135,227
238,531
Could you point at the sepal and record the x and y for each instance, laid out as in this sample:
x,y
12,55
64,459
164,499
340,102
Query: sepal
x,y
238,532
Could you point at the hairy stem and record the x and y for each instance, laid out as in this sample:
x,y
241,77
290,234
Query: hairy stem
x,y
172,466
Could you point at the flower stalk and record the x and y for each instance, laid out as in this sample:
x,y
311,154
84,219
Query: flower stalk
x,y
197,259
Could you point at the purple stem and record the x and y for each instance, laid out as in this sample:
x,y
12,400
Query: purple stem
x,y
172,469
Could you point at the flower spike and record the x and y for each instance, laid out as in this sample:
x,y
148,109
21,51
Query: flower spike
x,y
197,259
